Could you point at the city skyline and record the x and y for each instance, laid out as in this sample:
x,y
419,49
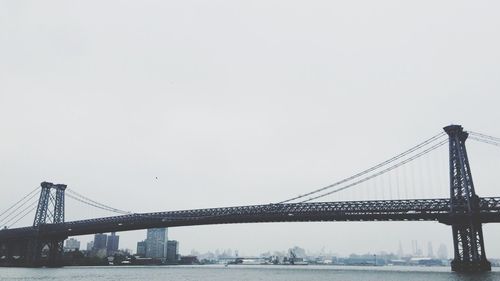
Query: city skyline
x,y
414,248
148,253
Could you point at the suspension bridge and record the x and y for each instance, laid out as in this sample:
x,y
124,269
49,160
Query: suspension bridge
x,y
41,244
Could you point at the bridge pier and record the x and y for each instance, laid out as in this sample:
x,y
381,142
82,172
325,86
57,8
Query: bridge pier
x,y
44,253
468,242
13,253
32,252
55,253
467,231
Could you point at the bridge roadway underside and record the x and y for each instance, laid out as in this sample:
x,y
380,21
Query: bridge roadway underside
x,y
384,210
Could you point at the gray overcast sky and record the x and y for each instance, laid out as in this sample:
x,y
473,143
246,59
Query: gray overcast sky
x,y
240,102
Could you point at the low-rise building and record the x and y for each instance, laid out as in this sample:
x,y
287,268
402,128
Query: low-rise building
x,y
72,245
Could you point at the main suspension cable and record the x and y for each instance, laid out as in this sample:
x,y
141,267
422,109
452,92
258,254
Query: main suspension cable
x,y
380,172
31,192
19,206
399,156
93,205
488,141
25,214
32,205
484,136
83,199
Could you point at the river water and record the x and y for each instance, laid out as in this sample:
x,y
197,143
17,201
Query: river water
x,y
244,273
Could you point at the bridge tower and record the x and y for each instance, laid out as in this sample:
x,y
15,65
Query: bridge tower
x,y
50,210
466,226
51,204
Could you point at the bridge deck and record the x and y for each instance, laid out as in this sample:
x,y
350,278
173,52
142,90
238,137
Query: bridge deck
x,y
384,210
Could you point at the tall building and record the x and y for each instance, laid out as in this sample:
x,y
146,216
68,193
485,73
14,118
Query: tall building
x,y
72,245
430,251
100,241
442,252
417,251
156,243
141,249
172,251
99,249
112,243
400,250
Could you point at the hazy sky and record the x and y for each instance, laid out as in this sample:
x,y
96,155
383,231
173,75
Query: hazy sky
x,y
241,102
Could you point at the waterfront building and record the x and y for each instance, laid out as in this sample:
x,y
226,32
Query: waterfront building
x,y
156,243
72,245
189,260
173,251
112,244
141,249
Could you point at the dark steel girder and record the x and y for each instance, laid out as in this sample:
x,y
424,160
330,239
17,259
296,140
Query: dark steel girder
x,y
384,210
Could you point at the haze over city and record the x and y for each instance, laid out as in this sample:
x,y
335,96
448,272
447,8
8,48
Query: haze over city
x,y
185,105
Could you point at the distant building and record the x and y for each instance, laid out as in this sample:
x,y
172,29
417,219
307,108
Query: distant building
x,y
100,241
90,245
72,245
430,251
417,251
173,251
99,249
400,250
156,243
141,249
112,243
442,252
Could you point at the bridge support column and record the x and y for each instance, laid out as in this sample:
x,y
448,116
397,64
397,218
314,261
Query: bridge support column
x,y
470,255
468,243
44,253
55,253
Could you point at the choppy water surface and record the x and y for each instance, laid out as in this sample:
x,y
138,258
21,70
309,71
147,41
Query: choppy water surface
x,y
244,273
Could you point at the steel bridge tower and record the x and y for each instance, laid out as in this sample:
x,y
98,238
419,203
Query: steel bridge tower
x,y
470,255
50,210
